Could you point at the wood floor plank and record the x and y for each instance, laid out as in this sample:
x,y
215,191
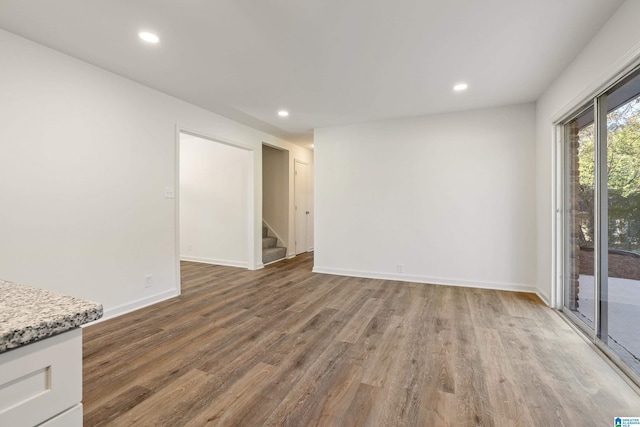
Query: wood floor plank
x,y
359,321
285,346
508,406
153,369
335,405
471,389
364,409
378,367
120,404
231,408
438,409
170,399
303,403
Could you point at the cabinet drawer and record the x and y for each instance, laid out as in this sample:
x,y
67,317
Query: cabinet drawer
x,y
41,380
69,418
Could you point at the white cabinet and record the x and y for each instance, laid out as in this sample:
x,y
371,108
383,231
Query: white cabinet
x,y
71,417
41,382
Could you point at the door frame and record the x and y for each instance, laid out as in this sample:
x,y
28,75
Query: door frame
x,y
253,225
288,188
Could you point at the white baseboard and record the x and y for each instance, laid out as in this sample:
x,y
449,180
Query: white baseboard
x,y
273,262
225,262
515,287
135,305
545,299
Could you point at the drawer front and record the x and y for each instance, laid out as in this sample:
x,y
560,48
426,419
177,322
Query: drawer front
x,y
69,418
41,380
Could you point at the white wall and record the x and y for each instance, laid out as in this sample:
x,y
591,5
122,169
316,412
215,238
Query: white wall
x,y
275,192
214,200
86,156
450,197
614,48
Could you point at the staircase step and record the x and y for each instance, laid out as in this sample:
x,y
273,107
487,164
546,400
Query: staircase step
x,y
264,231
273,254
269,242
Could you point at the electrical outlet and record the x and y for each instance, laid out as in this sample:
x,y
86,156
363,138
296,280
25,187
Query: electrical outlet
x,y
189,248
169,193
400,268
147,281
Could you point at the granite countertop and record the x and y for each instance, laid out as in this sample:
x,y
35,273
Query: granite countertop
x,y
29,314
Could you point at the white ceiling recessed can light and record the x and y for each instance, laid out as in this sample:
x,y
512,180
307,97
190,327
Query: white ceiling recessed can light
x,y
460,87
283,113
148,37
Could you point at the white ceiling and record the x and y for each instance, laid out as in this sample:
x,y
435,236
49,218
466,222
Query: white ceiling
x,y
329,62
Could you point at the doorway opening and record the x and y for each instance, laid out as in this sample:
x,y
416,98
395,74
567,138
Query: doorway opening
x,y
215,202
275,204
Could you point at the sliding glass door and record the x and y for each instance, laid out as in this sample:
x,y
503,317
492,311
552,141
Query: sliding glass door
x,y
620,295
602,221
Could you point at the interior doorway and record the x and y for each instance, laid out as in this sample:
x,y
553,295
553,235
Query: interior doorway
x,y
275,204
302,206
215,207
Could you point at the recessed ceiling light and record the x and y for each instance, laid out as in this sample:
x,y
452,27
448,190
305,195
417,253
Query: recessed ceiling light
x,y
283,113
148,37
460,87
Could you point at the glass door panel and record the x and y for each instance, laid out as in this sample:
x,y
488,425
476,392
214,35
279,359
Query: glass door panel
x,y
579,218
619,300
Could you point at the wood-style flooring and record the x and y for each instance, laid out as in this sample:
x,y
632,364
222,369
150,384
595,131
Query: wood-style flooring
x,y
283,346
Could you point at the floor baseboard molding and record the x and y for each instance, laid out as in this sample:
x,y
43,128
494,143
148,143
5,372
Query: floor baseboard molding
x,y
224,262
273,262
515,287
545,299
135,305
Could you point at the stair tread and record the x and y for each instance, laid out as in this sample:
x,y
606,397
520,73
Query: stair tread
x,y
274,249
273,254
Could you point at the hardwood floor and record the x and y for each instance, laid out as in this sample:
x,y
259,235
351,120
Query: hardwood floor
x,y
286,347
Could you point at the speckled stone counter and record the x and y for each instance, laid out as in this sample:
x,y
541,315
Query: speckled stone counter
x,y
28,314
